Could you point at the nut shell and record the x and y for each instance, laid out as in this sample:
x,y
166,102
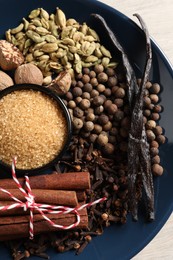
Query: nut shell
x,y
61,84
5,80
28,73
10,56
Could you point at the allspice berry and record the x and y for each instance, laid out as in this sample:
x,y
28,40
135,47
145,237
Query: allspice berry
x,y
150,135
102,139
157,169
89,126
98,68
77,92
84,104
155,89
28,73
103,119
112,109
161,139
77,123
109,148
78,112
97,101
102,77
150,124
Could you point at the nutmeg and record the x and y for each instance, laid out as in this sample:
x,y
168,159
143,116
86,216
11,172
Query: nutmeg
x,y
28,73
10,56
5,80
61,84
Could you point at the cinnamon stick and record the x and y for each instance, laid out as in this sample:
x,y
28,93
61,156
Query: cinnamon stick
x,y
14,211
19,225
54,181
56,197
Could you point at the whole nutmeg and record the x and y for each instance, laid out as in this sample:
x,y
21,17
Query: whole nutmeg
x,y
10,56
28,73
5,80
62,83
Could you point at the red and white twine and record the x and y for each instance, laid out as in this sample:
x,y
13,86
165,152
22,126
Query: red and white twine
x,y
31,205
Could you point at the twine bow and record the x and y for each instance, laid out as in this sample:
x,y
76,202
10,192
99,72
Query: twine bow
x,y
31,205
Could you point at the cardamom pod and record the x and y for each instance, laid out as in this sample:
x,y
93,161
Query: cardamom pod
x,y
13,40
38,53
72,32
55,65
20,35
43,57
49,47
98,52
34,36
47,80
63,46
72,49
64,60
68,65
29,57
93,34
61,53
78,67
8,35
45,23
84,29
28,43
112,65
89,38
26,24
105,62
31,27
78,36
53,28
53,56
71,22
17,29
91,58
50,38
41,30
86,64
44,14
105,52
36,21
76,58
60,18
34,13
70,56
37,46
66,32
68,41
42,64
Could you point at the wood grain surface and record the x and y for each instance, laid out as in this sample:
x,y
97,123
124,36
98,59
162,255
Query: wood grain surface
x,y
158,15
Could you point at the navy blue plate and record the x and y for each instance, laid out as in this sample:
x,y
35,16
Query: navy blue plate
x,y
118,242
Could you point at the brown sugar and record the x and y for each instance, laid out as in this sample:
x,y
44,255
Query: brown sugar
x,y
32,127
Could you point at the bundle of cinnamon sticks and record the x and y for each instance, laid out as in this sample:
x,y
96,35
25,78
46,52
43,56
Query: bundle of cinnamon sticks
x,y
67,189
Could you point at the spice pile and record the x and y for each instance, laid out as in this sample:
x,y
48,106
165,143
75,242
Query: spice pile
x,y
116,136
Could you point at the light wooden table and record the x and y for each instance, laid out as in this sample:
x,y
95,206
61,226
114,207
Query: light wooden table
x,y
158,15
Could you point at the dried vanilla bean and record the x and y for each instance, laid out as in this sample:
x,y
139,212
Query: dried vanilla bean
x,y
130,74
138,147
